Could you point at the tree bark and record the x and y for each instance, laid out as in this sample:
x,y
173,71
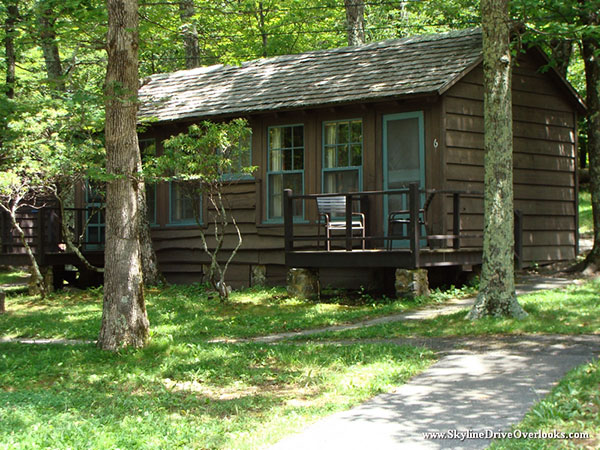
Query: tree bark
x,y
124,318
355,21
591,57
10,22
190,34
150,272
46,20
561,54
497,295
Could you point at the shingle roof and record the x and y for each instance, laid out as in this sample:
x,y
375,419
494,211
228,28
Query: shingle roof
x,y
387,69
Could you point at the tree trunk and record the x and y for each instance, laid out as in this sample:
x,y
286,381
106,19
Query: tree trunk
x,y
124,318
355,21
591,57
46,20
151,274
263,31
561,54
36,274
497,289
10,22
190,34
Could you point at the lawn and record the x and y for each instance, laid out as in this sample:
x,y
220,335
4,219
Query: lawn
x,y
190,313
185,395
573,310
572,407
13,277
586,222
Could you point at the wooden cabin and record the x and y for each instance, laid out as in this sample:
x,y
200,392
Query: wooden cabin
x,y
371,120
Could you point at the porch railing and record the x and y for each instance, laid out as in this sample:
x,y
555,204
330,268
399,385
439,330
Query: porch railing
x,y
414,204
43,230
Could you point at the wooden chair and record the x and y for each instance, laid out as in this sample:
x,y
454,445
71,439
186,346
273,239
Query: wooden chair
x,y
330,206
400,219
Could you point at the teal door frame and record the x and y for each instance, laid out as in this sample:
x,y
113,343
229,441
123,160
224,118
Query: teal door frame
x,y
420,121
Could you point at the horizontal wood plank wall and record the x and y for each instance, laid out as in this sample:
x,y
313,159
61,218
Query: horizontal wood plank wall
x,y
544,160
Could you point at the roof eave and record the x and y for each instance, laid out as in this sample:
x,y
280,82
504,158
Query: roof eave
x,y
446,86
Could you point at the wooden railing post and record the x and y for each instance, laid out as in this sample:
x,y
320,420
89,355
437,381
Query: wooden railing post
x,y
456,220
414,227
365,206
288,220
518,239
349,222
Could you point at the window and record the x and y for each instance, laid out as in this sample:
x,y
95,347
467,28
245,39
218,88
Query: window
x,y
182,203
286,168
241,156
148,150
342,156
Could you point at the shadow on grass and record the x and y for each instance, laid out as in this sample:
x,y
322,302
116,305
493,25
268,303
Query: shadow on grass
x,y
168,396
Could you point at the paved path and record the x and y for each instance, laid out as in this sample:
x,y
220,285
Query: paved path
x,y
527,284
482,385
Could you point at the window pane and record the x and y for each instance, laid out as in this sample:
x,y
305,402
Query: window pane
x,y
341,181
356,155
287,159
182,207
299,136
287,137
298,159
293,181
356,132
275,137
330,134
343,133
329,157
342,155
276,161
275,196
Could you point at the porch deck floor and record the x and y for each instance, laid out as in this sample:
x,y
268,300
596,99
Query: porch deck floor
x,y
379,257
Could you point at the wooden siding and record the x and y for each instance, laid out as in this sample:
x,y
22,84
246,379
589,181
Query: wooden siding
x,y
545,183
179,248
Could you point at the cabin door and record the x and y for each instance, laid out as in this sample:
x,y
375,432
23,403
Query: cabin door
x,y
403,161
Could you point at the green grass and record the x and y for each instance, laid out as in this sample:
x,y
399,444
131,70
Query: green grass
x,y
572,407
573,310
13,276
190,313
586,222
185,395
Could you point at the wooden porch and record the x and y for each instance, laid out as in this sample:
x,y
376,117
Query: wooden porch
x,y
415,247
44,235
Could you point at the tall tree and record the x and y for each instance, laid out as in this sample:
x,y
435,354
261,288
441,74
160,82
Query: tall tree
x,y
497,295
355,21
46,19
590,43
124,318
10,22
187,11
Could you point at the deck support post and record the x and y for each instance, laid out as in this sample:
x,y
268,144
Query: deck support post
x,y
414,227
303,283
411,283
